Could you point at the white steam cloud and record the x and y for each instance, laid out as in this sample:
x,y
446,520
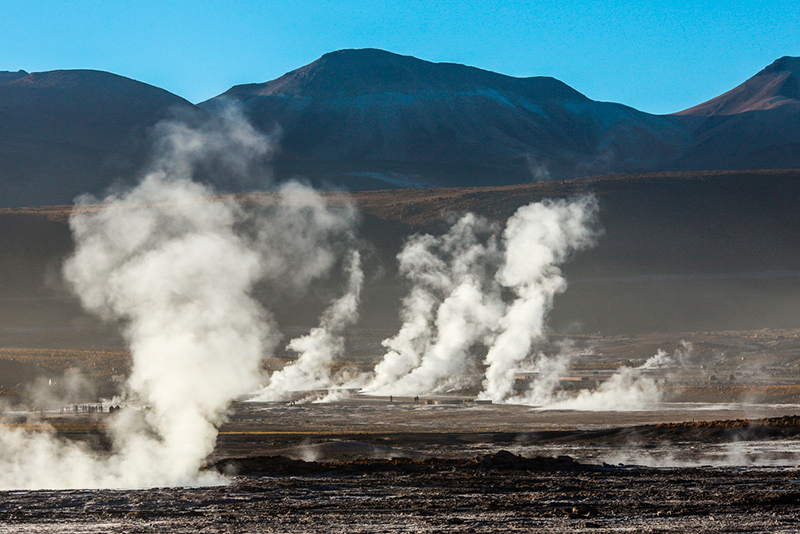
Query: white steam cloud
x,y
662,358
319,349
627,389
455,304
177,269
538,238
179,277
451,306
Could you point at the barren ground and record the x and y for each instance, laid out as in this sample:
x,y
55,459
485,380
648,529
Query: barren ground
x,y
704,460
402,467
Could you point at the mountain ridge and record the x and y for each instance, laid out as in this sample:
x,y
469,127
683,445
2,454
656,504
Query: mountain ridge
x,y
776,85
371,119
370,70
67,132
398,119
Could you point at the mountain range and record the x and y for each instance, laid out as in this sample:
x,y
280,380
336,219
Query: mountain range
x,y
370,119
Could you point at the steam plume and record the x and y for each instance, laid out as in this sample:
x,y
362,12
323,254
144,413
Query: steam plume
x,y
177,270
451,306
455,303
178,276
301,238
318,349
626,389
537,239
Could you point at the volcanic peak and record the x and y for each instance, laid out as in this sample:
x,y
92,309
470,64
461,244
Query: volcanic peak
x,y
784,64
349,73
778,85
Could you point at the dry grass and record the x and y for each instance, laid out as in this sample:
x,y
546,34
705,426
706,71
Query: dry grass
x,y
420,207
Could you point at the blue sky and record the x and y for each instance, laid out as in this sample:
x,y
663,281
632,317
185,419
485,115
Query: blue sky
x,y
657,56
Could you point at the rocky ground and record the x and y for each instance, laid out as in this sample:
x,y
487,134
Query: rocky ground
x,y
494,493
369,465
720,454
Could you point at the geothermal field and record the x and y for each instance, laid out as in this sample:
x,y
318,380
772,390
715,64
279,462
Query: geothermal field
x,y
195,406
441,360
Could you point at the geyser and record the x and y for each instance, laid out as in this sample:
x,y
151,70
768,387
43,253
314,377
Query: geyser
x,y
177,274
451,306
176,268
455,305
537,239
319,348
472,293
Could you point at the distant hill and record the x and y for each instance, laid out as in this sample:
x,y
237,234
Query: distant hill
x,y
71,131
372,119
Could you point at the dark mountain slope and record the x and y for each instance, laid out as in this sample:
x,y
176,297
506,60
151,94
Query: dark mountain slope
x,y
73,131
347,73
369,118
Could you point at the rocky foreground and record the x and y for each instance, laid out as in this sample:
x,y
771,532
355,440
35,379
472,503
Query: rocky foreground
x,y
500,492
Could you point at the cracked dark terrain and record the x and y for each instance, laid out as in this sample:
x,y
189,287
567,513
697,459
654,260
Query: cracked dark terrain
x,y
368,464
